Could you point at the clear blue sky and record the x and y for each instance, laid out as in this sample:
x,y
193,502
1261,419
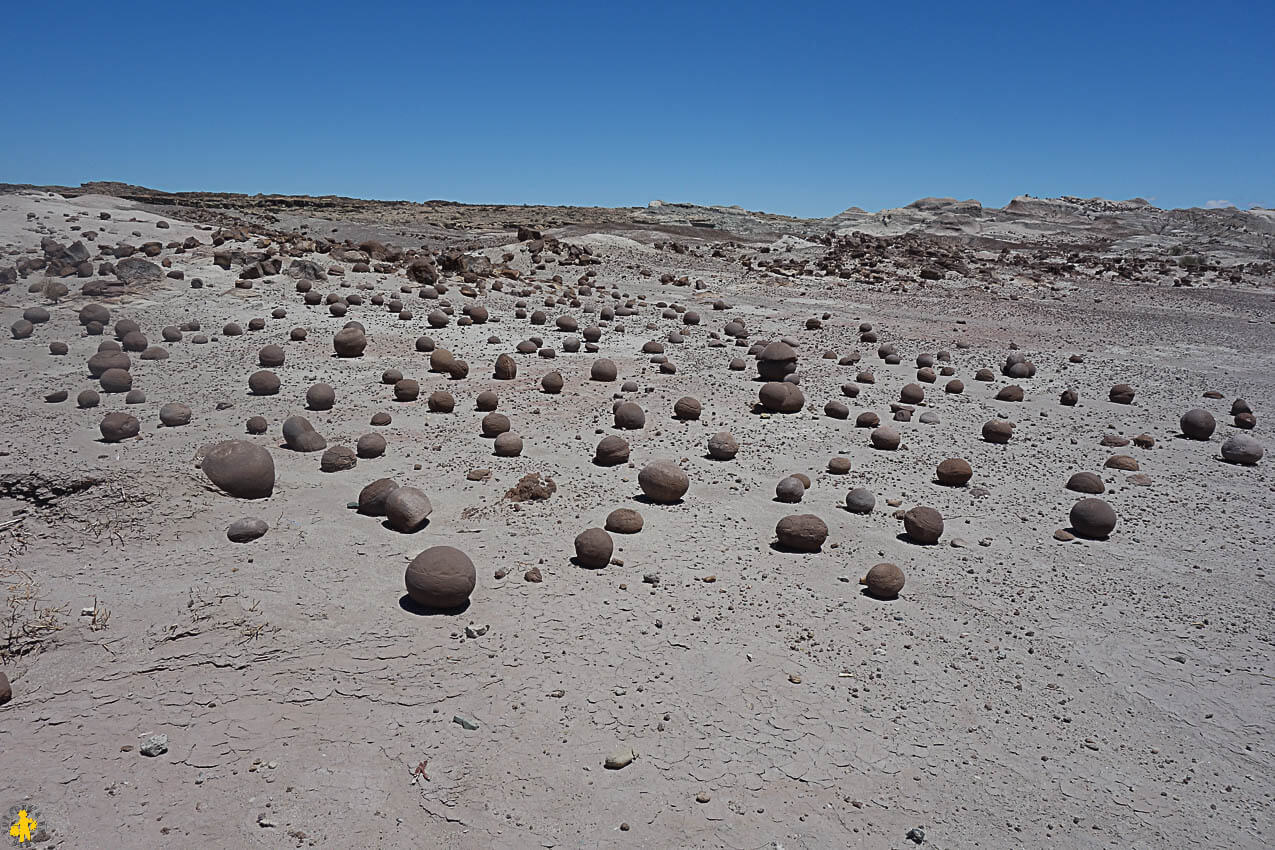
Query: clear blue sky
x,y
803,108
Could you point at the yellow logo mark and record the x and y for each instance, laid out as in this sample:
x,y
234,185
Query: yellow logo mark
x,y
22,827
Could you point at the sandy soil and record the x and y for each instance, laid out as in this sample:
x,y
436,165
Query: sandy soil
x,y
1023,690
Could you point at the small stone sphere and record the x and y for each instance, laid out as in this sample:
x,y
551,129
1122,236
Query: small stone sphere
x,y
867,419
603,370
372,497
883,581
611,451
407,509
119,426
1013,392
781,397
337,459
58,347
687,408
487,400
263,382
370,445
860,500
954,472
407,389
923,525
663,481
790,490
954,386
440,578
124,327
885,438
1093,518
87,399
298,334
508,444
228,329
105,360
551,383
134,341
494,424
801,533
836,410
135,397
99,313
722,446
241,469
1198,424
256,425
1121,394
850,390
624,521
441,401
246,529
1247,421
381,418
737,364
458,370
1242,449
912,394
1086,482
391,376
629,416
320,397
349,342
270,356
839,465
1127,463
174,414
424,344
506,369
593,548
998,430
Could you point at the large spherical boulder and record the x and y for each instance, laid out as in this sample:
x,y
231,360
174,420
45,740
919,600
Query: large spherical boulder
x,y
687,408
912,394
270,356
370,446
506,369
372,497
611,451
246,529
776,361
954,472
885,438
663,481
801,533
1242,449
1121,394
923,525
407,509
263,382
1198,424
175,414
629,416
883,581
240,469
1086,482
552,383
790,490
1093,518
349,342
116,381
593,548
440,578
107,359
320,397
603,370
860,500
338,459
494,424
119,426
998,431
407,389
624,521
441,401
95,313
781,397
722,446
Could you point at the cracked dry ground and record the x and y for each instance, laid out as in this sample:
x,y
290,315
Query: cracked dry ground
x,y
1026,691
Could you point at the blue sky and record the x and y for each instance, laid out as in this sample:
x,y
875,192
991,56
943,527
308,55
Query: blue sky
x,y
799,108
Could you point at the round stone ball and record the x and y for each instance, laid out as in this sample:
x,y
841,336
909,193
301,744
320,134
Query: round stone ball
x,y
867,419
320,397
58,347
883,581
349,342
298,334
954,472
624,521
1198,424
106,359
1086,482
372,497
885,438
407,509
116,381
1121,394
1093,518
407,389
486,401
135,397
722,446
611,451
270,356
593,548
240,469
246,529
839,465
119,426
629,416
228,329
923,525
338,459
506,369
440,578
836,410
1242,449
551,383
603,370
256,425
424,344
124,327
263,382
860,500
175,414
134,341
441,401
955,386
1013,392
494,424
801,533
370,445
781,397
790,490
912,394
458,370
87,399
687,408
508,444
663,481
998,430
95,313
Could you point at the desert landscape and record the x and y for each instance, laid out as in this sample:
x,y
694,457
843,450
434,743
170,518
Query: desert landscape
x,y
338,522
